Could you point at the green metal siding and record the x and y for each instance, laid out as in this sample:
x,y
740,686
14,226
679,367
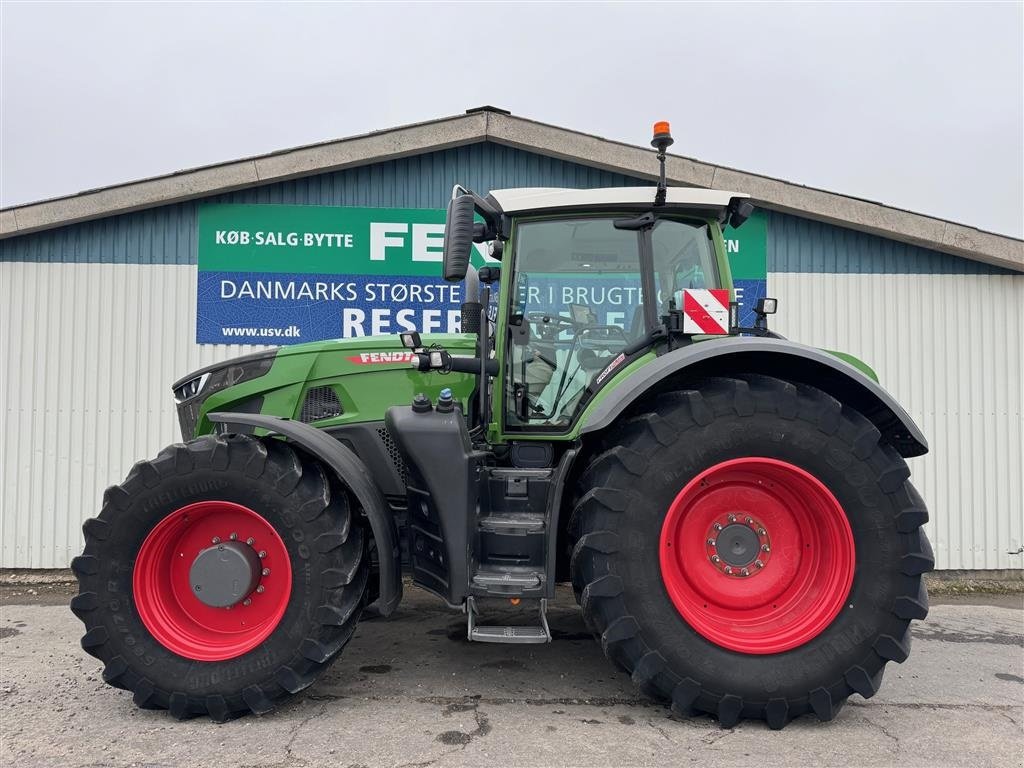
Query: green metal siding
x,y
802,245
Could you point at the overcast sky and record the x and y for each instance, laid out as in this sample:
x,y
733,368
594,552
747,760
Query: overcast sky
x,y
915,105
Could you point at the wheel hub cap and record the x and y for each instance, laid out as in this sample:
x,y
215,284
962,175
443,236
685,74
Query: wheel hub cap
x,y
738,545
224,574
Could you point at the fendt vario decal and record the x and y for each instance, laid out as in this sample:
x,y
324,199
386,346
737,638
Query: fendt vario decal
x,y
381,358
611,367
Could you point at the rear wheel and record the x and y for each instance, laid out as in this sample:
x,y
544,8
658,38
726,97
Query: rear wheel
x,y
220,577
748,548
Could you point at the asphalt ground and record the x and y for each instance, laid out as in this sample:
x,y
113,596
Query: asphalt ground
x,y
410,691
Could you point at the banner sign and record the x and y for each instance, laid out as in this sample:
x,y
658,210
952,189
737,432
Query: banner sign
x,y
288,274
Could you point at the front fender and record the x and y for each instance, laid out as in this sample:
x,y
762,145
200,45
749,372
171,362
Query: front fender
x,y
780,358
353,473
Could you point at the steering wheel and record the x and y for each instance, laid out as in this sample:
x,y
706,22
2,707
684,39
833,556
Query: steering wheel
x,y
549,325
546,318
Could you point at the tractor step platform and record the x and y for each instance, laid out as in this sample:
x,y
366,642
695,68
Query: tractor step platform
x,y
502,581
507,634
512,523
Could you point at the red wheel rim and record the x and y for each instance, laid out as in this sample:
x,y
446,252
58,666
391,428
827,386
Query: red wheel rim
x,y
757,555
164,597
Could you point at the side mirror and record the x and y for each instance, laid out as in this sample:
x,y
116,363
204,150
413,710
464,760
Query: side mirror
x,y
458,237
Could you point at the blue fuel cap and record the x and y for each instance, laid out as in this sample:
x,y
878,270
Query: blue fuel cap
x,y
445,403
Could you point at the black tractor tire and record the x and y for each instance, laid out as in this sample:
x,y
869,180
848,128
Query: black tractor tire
x,y
320,535
622,502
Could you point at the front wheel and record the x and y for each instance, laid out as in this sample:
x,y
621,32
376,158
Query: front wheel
x,y
220,577
748,548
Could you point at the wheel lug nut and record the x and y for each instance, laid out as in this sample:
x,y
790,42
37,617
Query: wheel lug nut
x,y
250,541
715,558
728,569
749,521
758,564
711,542
215,540
234,537
266,571
732,518
765,548
260,588
744,572
247,601
761,531
717,526
263,553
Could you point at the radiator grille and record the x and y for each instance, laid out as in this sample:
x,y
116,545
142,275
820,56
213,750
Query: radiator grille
x,y
320,403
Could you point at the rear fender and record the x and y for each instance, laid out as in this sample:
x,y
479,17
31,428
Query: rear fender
x,y
780,358
353,473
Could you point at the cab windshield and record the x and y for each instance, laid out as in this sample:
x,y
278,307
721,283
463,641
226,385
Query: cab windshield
x,y
578,299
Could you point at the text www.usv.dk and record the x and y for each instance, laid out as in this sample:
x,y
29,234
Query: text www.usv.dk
x,y
291,332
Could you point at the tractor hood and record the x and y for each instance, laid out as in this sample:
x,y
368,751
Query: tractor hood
x,y
356,378
367,349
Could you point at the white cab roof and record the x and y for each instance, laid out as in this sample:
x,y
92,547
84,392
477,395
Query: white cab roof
x,y
539,198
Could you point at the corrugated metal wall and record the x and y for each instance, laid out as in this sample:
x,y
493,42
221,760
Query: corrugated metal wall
x,y
89,352
946,337
97,319
950,348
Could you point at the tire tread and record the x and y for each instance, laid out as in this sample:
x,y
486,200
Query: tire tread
x,y
292,475
608,487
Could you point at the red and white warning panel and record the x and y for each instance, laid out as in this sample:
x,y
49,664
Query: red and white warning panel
x,y
706,311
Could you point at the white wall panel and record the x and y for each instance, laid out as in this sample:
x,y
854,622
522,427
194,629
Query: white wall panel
x,y
88,353
951,350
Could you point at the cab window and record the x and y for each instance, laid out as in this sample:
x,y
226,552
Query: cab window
x,y
684,257
577,301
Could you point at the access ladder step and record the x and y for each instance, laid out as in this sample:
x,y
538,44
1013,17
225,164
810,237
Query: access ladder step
x,y
509,635
512,523
508,579
501,634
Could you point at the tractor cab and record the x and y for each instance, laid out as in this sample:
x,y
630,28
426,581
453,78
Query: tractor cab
x,y
593,277
590,281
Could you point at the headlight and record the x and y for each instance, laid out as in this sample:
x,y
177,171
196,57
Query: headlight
x,y
191,391
190,388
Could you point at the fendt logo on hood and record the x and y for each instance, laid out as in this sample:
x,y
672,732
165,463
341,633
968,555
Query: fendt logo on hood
x,y
381,358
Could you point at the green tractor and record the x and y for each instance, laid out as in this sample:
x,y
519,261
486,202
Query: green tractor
x,y
732,509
